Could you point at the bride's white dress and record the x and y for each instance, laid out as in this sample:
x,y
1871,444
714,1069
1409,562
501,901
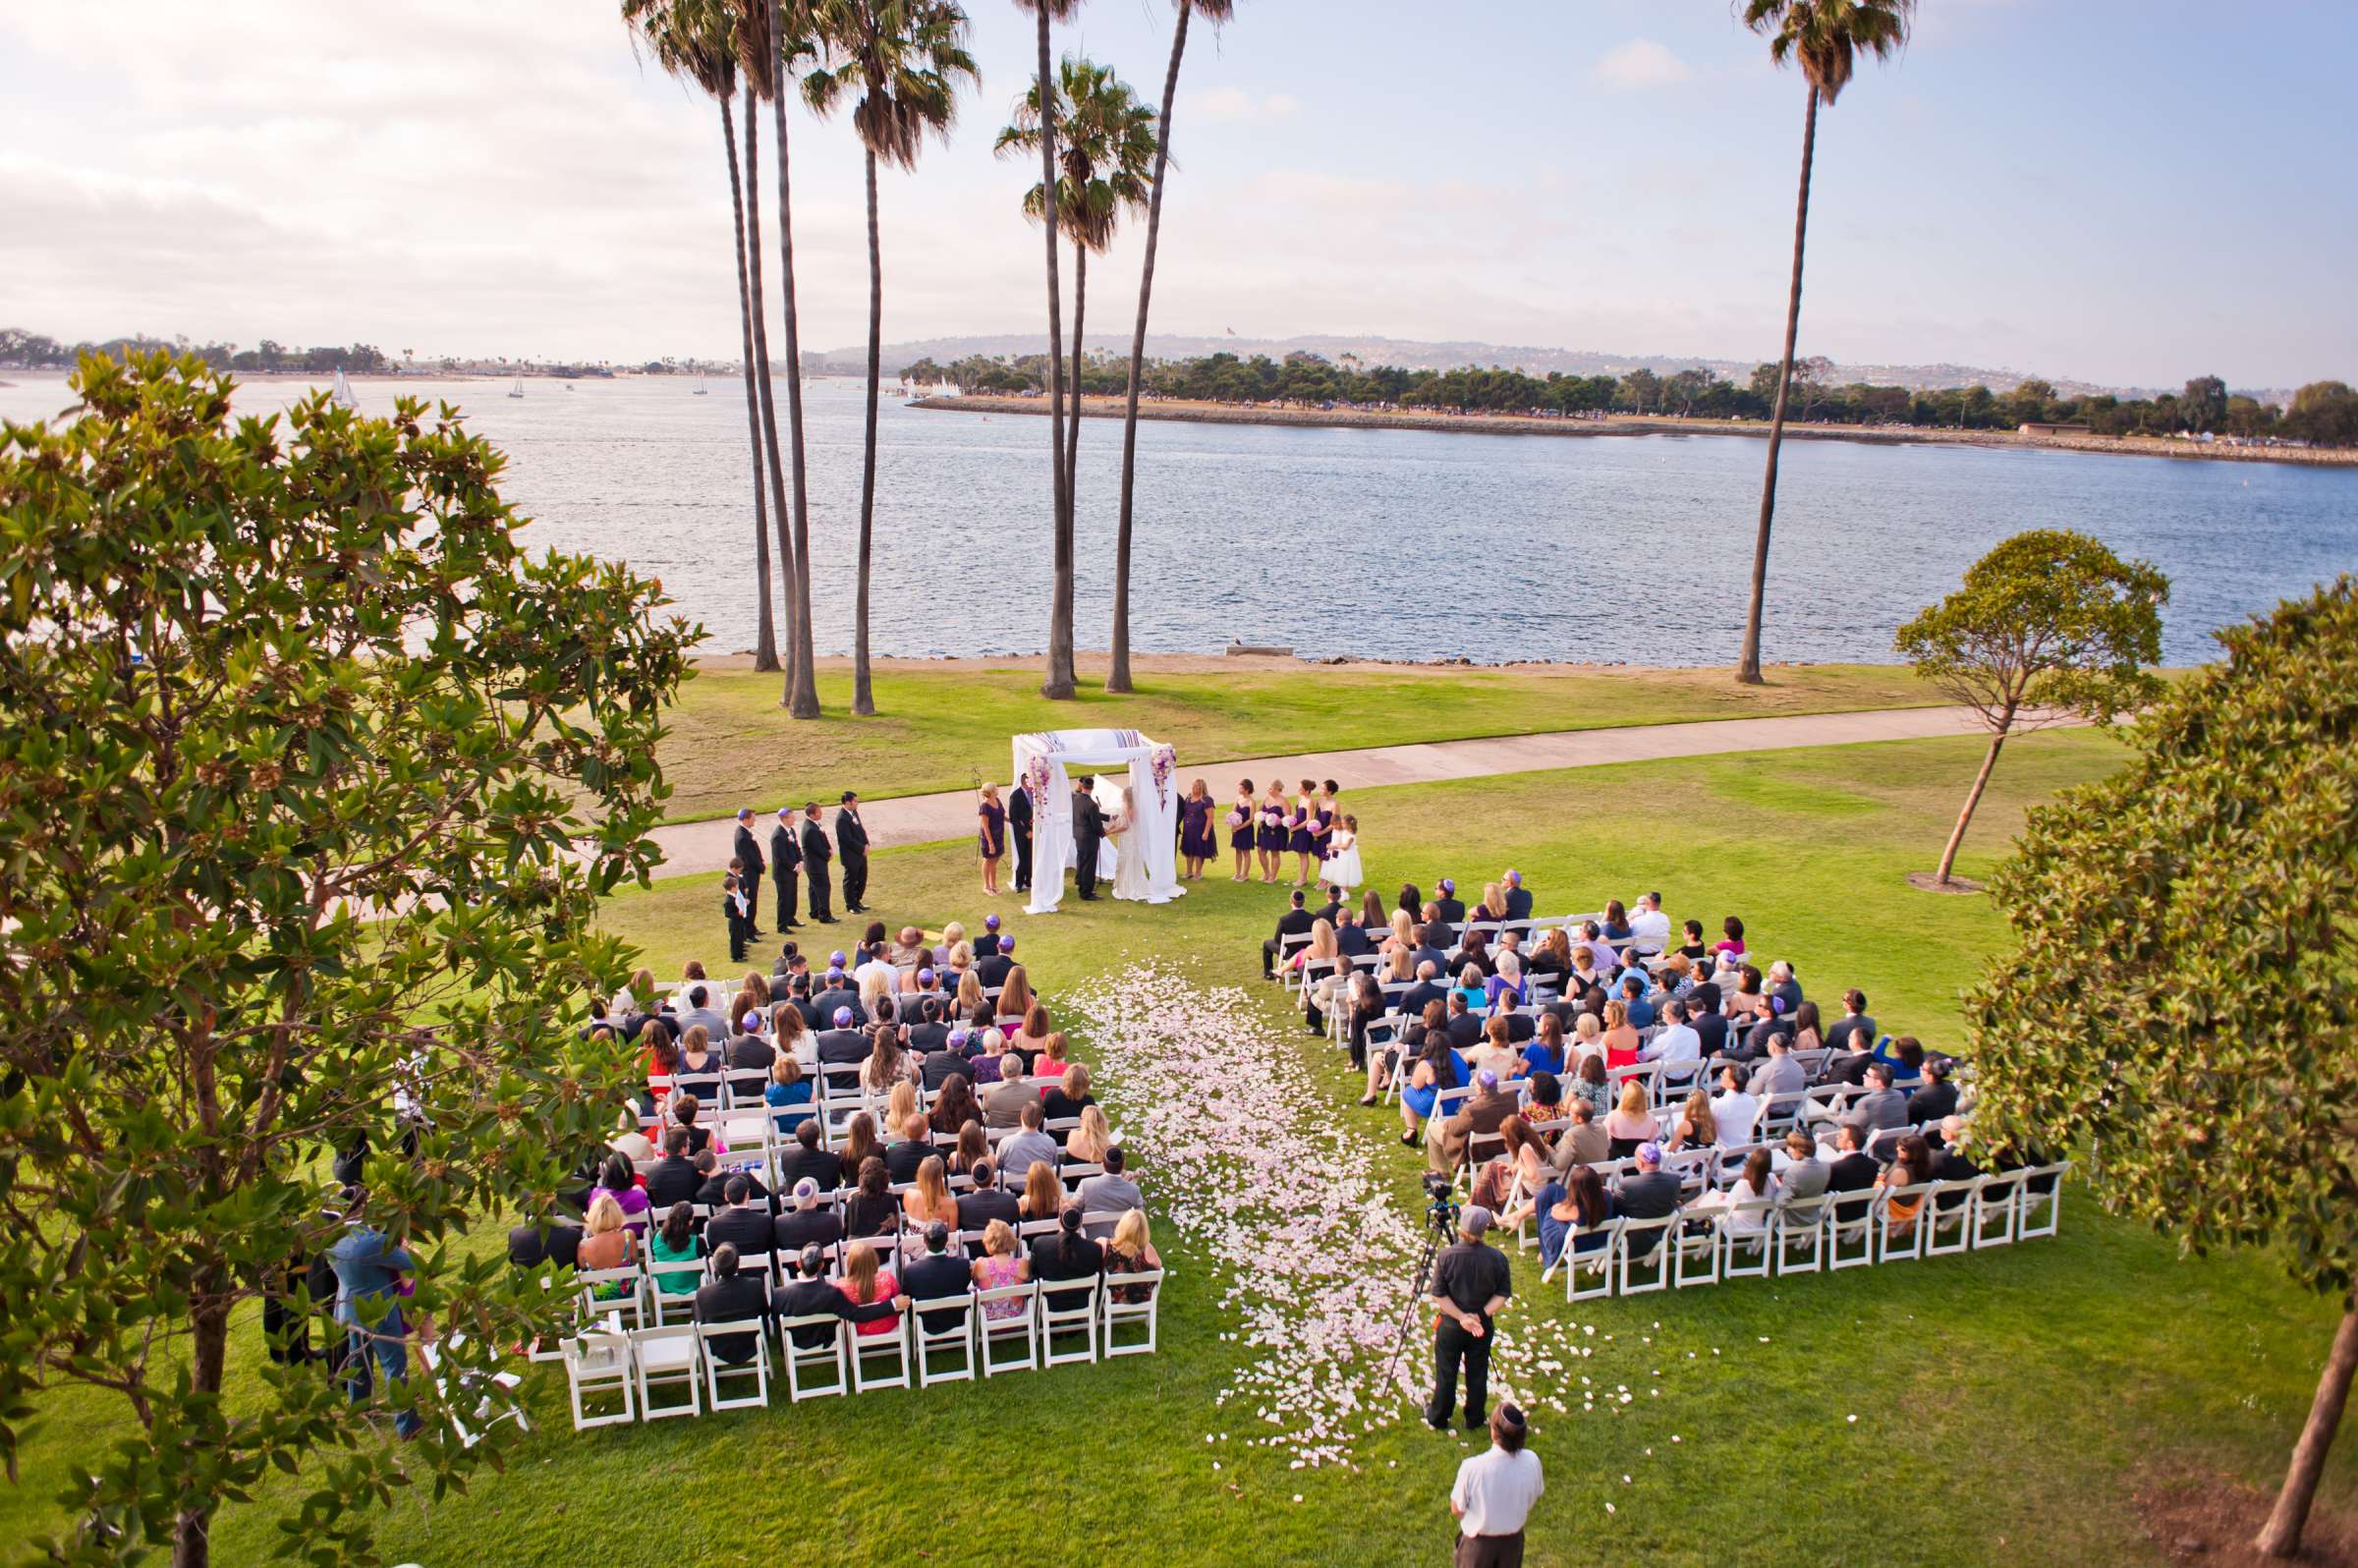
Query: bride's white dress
x,y
1119,859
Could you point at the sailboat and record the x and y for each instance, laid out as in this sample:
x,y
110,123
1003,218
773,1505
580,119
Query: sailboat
x,y
517,390
699,386
341,393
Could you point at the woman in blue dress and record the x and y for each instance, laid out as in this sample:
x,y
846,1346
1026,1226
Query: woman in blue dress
x,y
1438,1067
1196,843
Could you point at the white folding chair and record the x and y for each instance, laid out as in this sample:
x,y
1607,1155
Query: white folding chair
x,y
1647,1244
957,1336
629,1299
673,1306
1851,1221
1998,1199
1949,1228
1021,1330
887,1353
1694,1254
1798,1236
666,1358
801,1359
597,1363
494,1395
1597,1261
715,1368
1896,1240
2040,1211
1066,1307
1746,1251
1114,1313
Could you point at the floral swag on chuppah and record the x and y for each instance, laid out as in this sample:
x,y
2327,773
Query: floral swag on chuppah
x,y
1134,790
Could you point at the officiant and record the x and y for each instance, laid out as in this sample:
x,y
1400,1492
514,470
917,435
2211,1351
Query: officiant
x,y
1088,833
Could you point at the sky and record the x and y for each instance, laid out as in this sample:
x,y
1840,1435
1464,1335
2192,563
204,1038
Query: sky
x,y
2125,192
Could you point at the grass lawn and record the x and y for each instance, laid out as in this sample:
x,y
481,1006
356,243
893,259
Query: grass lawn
x,y
2007,1404
730,743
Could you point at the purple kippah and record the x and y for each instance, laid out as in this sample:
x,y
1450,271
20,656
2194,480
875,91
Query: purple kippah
x,y
990,923
843,1018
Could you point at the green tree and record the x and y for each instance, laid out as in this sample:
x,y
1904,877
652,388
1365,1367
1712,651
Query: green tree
x,y
1057,685
2208,1074
906,60
2324,412
1215,12
2049,625
2202,406
1827,36
291,724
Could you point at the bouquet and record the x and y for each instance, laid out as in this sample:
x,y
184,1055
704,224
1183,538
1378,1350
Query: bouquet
x,y
1236,819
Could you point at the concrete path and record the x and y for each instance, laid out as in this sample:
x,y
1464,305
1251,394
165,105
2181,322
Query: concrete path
x,y
691,847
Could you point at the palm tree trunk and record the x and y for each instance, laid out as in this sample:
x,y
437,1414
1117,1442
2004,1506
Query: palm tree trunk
x,y
1973,798
802,692
747,312
863,700
2281,1537
1071,437
1059,682
1117,679
770,411
1747,668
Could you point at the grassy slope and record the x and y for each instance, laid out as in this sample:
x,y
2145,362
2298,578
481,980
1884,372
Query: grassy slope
x,y
730,745
2006,1402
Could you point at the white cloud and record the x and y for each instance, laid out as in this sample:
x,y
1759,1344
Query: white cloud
x,y
1234,105
1638,64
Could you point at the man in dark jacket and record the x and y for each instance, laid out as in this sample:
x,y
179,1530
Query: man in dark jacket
x,y
1453,908
743,1224
938,1274
991,971
674,1180
1019,828
1295,921
851,847
813,1295
985,1202
808,1222
816,852
785,863
733,1297
806,1158
748,853
1517,897
1088,832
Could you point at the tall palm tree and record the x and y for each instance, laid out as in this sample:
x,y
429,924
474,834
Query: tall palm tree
x,y
693,40
1107,148
1058,684
770,38
1215,12
905,58
1827,36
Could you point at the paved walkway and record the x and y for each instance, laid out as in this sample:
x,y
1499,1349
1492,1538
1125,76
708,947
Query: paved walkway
x,y
691,847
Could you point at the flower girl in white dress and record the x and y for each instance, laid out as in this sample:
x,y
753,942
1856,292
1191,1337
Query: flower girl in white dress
x,y
1341,866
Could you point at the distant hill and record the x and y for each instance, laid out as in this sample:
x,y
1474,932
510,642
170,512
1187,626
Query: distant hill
x,y
1417,356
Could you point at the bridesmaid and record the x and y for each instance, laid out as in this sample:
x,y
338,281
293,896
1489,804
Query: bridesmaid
x,y
1328,818
1240,829
1196,841
992,840
1269,837
1302,840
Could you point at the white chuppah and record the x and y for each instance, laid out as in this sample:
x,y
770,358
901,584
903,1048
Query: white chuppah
x,y
1137,793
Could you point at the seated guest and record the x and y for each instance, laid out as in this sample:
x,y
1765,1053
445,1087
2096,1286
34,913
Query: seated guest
x,y
1552,959
1785,988
866,1283
928,1198
1736,1109
1517,897
1295,921
1801,1174
1733,1202
806,1160
1677,1045
1108,1193
1853,1170
1068,1094
1691,946
1781,1074
1601,952
710,1179
1066,1255
1437,1067
1906,1057
1427,990
1459,1023
808,1223
1911,1166
987,1202
1589,1081
1584,1139
1702,1016
859,1145
811,1294
1853,1024
616,1179
1129,1251
1952,1164
675,1240
844,1044
871,1210
1808,1034
1481,1113
1025,1146
1051,1060
937,1275
1634,1004
1569,1210
926,1031
1003,1101
1469,993
743,1223
628,1141
946,1061
1937,1098
999,1267
1546,1051
1521,1167
1632,1120
732,1297
1649,1192
1447,904
1882,1107
1044,1192
607,1243
1087,1143
1015,993
910,1150
1494,1051
1649,927
1032,1035
973,1148
1620,1037
1351,938
674,1180
787,1094
953,1107
1694,1126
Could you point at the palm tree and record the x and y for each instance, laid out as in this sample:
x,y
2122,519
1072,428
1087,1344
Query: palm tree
x,y
905,58
770,38
693,39
1826,36
1108,146
1058,684
1215,12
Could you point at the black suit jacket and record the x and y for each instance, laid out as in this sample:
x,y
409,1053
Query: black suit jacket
x,y
842,1046
802,1227
930,1276
714,1195
1019,812
1852,1173
734,1301
750,1054
1051,1260
815,850
821,1165
851,839
977,1210
1351,941
1089,822
1453,910
747,1229
1414,1000
940,1066
673,1181
1518,903
1294,923
818,1298
1330,913
749,850
785,856
991,973
902,1160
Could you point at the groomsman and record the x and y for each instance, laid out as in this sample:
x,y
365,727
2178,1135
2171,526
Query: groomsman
x,y
1019,828
815,855
1088,832
785,860
851,847
749,855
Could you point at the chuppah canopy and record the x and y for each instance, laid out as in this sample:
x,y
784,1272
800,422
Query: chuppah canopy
x,y
1046,765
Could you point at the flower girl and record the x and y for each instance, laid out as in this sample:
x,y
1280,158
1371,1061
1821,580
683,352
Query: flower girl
x,y
1341,866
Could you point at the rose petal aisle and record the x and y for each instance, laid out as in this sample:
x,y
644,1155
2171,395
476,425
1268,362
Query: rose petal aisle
x,y
1252,1166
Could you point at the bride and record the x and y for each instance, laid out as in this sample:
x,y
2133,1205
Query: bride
x,y
1119,859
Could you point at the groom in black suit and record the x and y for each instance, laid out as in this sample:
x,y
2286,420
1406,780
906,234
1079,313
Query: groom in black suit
x,y
1019,828
1088,832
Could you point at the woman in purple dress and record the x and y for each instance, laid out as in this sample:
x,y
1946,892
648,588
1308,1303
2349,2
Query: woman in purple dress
x,y
992,840
1196,843
1241,812
1268,836
1303,841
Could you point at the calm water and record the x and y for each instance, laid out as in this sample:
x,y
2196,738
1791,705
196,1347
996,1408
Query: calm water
x,y
1389,543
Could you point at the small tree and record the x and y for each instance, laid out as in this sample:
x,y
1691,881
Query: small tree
x,y
286,722
2049,626
2179,1004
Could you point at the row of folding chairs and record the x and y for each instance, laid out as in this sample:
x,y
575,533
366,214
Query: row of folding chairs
x,y
1535,926
1763,1237
616,1374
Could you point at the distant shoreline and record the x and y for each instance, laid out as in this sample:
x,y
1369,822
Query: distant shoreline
x,y
1195,413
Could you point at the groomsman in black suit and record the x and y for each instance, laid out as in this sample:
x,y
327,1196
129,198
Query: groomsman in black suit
x,y
815,855
748,854
785,861
1088,832
851,847
1019,828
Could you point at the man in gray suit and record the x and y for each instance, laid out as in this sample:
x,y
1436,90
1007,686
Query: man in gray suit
x,y
1110,1194
1584,1141
1003,1102
716,1026
1805,1175
1880,1110
1026,1149
1781,1074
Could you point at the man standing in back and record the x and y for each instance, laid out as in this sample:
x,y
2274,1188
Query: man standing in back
x,y
785,860
815,855
749,855
1019,828
1495,1494
851,847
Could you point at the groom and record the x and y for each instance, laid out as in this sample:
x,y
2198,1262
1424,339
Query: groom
x,y
1088,832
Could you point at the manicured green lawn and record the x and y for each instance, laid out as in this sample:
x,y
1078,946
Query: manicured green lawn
x,y
731,745
2006,1402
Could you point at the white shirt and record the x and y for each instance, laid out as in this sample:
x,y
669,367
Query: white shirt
x,y
1650,930
892,975
1677,1042
1496,1491
1735,1113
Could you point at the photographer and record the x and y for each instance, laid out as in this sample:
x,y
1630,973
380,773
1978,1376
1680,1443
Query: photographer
x,y
1470,1283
